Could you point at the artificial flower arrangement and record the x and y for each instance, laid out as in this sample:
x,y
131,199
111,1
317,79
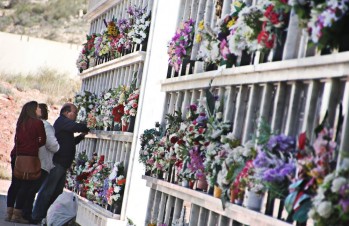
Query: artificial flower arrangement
x,y
245,31
179,48
96,181
140,24
114,186
119,36
314,163
275,164
95,186
275,19
209,45
226,33
104,107
85,102
148,140
330,206
328,23
191,150
132,104
236,157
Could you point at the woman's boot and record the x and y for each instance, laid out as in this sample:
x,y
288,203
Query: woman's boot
x,y
18,217
9,214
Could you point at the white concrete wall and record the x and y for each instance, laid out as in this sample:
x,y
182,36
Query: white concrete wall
x,y
23,54
164,17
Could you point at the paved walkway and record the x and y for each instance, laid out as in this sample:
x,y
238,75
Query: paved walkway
x,y
4,185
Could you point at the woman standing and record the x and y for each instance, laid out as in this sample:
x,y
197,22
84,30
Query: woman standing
x,y
46,153
30,136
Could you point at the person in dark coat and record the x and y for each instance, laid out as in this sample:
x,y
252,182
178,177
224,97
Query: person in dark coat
x,y
65,127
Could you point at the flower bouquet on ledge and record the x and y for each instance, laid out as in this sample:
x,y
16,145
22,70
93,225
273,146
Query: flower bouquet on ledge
x,y
114,187
179,48
85,102
330,206
140,25
314,163
275,164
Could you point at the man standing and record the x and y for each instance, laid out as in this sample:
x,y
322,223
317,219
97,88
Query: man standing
x,y
65,127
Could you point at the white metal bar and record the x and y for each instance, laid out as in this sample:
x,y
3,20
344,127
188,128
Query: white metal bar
x,y
194,215
279,103
310,106
293,109
250,120
240,111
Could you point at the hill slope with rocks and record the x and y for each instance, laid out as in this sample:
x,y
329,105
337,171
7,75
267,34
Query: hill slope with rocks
x,y
56,20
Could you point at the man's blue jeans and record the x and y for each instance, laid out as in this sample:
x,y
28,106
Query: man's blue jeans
x,y
49,191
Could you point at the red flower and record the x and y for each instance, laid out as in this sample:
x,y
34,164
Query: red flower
x,y
101,160
301,141
118,112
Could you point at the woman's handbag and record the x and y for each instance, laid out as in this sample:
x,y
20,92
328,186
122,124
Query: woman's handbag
x,y
27,167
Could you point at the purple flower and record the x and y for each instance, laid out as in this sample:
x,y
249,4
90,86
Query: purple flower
x,y
261,160
282,143
344,191
272,175
193,107
345,205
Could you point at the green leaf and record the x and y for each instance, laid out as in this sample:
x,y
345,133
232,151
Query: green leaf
x,y
210,100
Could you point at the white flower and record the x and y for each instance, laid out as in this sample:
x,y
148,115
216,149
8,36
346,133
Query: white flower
x,y
311,213
230,136
219,115
329,178
324,209
337,184
117,189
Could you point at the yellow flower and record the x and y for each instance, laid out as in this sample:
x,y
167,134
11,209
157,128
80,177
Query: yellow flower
x,y
231,23
237,4
201,25
198,38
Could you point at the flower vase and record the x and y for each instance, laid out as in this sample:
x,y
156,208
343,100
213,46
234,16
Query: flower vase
x,y
160,175
191,184
210,67
185,183
124,126
116,127
217,192
131,124
343,43
253,200
238,202
210,190
245,58
232,195
201,184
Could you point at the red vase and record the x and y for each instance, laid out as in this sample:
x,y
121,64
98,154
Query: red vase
x,y
124,126
191,184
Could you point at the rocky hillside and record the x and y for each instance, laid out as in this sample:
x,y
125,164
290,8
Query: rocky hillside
x,y
57,20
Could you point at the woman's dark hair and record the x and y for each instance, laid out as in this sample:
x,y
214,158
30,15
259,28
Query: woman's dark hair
x,y
28,111
44,111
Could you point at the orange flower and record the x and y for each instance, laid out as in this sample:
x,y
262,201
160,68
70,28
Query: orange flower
x,y
121,182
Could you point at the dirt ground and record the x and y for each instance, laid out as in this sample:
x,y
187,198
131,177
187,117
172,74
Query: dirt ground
x,y
10,107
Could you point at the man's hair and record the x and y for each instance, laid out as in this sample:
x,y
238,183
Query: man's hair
x,y
65,108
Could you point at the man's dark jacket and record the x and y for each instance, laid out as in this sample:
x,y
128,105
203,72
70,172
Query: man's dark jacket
x,y
64,130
